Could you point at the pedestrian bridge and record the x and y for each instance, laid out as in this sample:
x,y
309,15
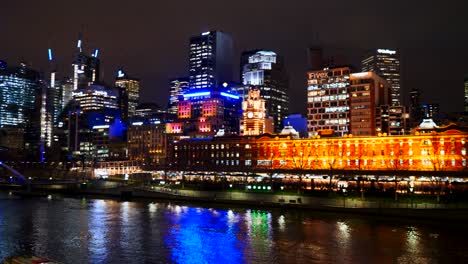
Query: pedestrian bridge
x,y
21,178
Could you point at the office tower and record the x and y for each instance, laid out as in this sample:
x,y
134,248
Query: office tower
x,y
129,94
415,108
85,68
147,143
96,135
54,91
431,111
386,63
328,101
95,98
178,87
264,70
205,113
315,58
18,89
466,94
254,117
210,60
367,91
67,92
392,120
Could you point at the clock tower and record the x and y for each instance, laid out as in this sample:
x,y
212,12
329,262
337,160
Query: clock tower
x,y
254,120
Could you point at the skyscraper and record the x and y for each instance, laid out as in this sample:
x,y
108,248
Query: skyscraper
x,y
18,89
129,94
386,63
264,70
415,108
178,86
367,92
210,60
315,58
431,111
95,98
85,68
328,101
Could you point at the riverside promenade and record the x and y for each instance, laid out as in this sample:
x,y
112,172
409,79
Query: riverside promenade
x,y
380,207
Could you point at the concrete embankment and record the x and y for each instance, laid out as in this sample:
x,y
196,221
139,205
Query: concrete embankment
x,y
454,211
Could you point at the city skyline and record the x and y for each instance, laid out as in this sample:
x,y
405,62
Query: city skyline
x,y
429,41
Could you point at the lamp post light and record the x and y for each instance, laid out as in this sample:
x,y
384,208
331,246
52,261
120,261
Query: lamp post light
x,y
230,191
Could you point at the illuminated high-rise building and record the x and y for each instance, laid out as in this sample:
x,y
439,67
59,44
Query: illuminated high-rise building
x,y
254,118
415,108
431,111
210,60
386,63
95,98
85,68
178,86
367,92
67,92
129,94
264,71
328,101
18,89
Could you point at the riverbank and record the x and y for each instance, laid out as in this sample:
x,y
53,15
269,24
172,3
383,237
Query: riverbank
x,y
453,212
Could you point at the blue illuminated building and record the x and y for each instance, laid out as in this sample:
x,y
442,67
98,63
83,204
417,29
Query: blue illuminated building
x,y
205,112
210,60
98,135
298,122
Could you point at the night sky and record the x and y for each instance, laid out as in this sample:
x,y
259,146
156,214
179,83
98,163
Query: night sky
x,y
149,39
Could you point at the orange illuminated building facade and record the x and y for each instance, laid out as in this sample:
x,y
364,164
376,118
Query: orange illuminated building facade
x,y
436,152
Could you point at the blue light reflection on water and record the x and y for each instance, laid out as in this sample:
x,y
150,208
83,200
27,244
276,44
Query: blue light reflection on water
x,y
196,234
98,231
108,231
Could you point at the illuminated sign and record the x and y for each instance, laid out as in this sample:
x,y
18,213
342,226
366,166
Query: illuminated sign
x,y
360,74
78,45
229,95
318,75
100,127
205,33
120,74
137,123
196,94
50,54
386,51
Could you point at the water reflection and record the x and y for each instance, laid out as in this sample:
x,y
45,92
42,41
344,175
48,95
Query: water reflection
x,y
203,236
108,231
98,229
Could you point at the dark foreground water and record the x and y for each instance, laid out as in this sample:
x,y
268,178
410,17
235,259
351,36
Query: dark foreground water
x,y
109,231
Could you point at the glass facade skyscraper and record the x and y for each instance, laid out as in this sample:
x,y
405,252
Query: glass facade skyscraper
x,y
210,60
18,87
263,70
386,63
129,94
178,86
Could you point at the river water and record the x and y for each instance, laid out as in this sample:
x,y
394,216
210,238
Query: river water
x,y
73,230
